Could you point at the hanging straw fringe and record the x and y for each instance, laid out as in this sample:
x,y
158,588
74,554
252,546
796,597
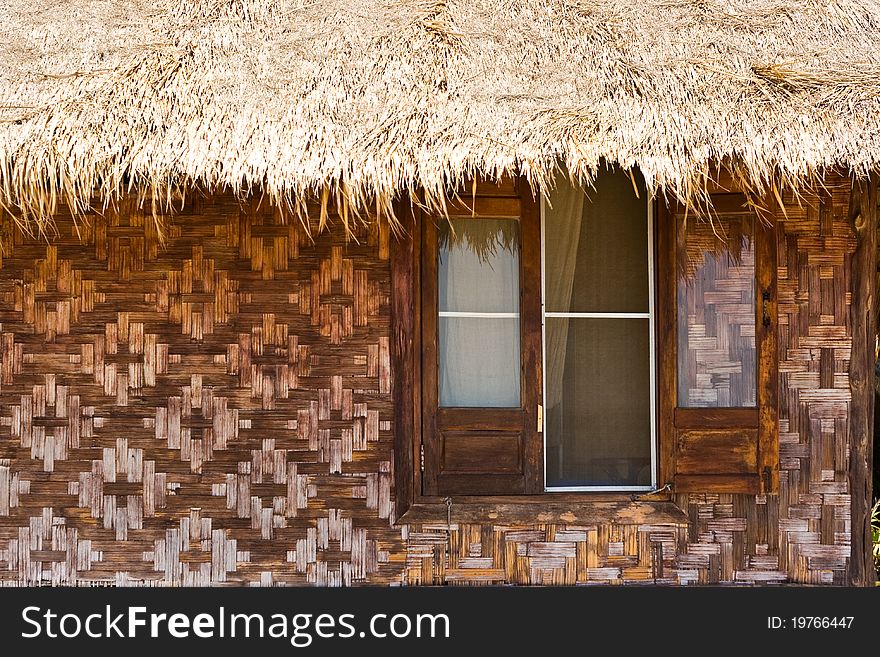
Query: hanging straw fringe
x,y
366,102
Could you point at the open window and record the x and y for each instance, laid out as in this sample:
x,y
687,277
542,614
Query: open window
x,y
598,336
537,343
590,340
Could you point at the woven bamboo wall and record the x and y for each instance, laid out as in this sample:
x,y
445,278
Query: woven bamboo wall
x,y
218,412
215,412
800,535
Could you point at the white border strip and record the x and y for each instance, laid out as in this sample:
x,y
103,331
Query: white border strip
x,y
598,489
457,313
646,315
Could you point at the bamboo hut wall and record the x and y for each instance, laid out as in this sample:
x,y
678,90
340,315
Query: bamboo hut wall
x,y
219,412
214,412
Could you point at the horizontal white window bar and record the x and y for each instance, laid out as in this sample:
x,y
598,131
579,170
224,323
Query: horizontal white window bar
x,y
456,313
598,489
601,315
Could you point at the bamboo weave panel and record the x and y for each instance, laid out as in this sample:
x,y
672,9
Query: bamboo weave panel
x,y
716,301
213,412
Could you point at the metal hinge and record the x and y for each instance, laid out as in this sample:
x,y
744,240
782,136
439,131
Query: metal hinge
x,y
540,418
422,457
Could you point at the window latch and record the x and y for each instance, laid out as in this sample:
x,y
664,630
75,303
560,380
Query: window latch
x,y
540,418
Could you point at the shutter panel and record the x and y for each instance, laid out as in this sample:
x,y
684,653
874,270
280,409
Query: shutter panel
x,y
718,346
484,450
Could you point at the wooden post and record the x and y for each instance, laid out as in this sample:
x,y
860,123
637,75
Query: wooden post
x,y
402,333
863,214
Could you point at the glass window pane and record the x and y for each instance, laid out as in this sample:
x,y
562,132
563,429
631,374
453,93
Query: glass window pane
x,y
479,326
598,402
596,246
716,313
478,265
479,361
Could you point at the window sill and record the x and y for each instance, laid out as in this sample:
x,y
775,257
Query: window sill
x,y
568,509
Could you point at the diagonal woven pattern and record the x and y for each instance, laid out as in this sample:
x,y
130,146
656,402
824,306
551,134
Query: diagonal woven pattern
x,y
213,412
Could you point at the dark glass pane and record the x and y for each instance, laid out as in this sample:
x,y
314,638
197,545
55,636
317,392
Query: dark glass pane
x,y
598,402
596,246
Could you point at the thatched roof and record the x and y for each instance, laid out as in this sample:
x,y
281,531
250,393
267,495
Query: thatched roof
x,y
377,98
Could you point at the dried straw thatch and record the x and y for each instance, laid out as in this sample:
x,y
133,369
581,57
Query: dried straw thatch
x,y
370,99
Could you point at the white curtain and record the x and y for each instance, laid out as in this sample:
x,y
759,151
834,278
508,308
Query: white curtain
x,y
563,215
479,327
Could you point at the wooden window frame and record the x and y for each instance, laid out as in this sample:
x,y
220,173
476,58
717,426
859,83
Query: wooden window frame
x,y
481,426
414,506
411,504
675,423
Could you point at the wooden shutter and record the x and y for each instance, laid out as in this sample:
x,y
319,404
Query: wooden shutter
x,y
728,449
483,451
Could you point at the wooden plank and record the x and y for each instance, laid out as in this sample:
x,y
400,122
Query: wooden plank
x,y
456,484
536,510
665,232
506,186
729,483
530,344
416,360
707,418
571,499
428,330
716,452
723,203
484,206
863,320
730,203
481,452
479,419
768,355
402,357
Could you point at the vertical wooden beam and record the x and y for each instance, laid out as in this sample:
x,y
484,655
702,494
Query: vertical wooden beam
x,y
666,282
403,305
532,350
863,214
428,330
768,355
